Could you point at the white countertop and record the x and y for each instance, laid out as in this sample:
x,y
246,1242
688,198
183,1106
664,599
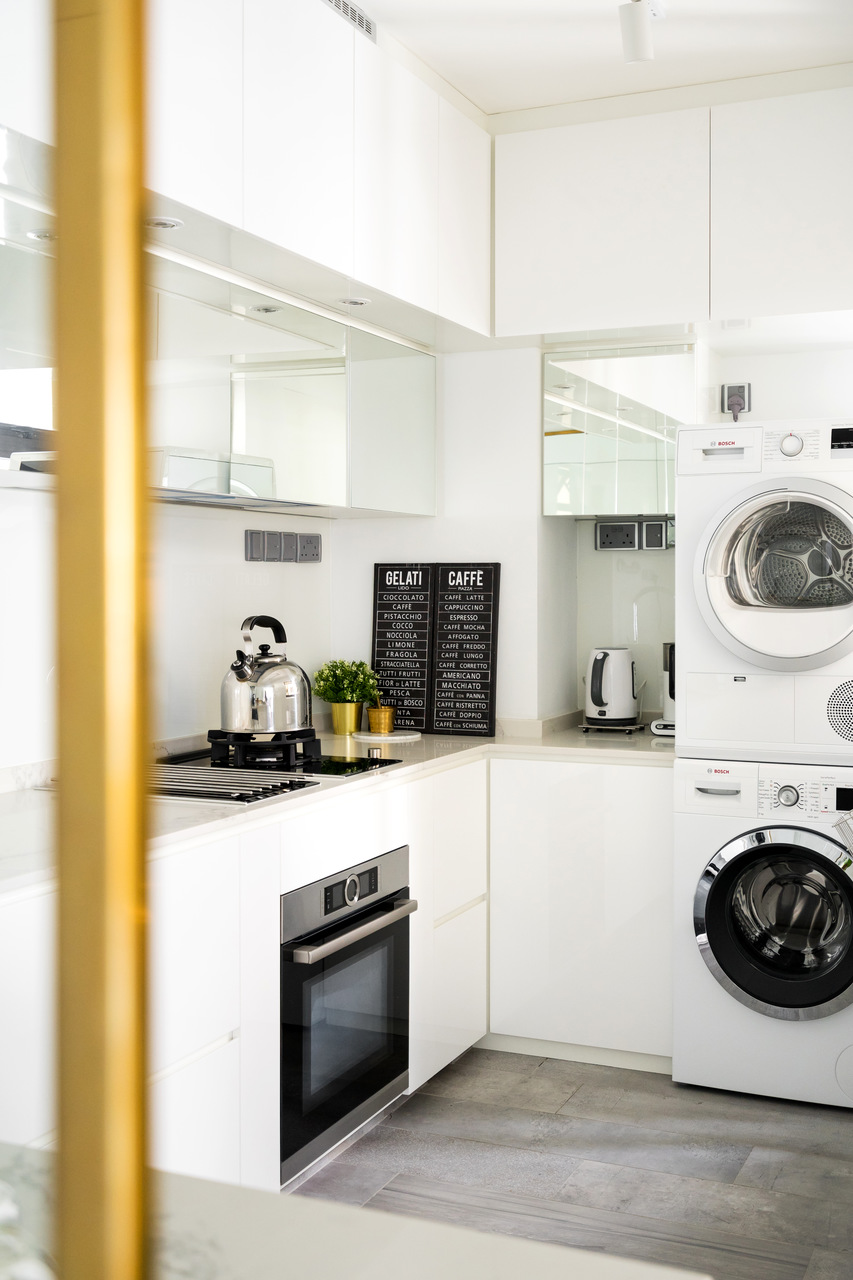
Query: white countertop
x,y
219,1232
26,816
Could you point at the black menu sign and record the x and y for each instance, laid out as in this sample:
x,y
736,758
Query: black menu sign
x,y
402,635
465,645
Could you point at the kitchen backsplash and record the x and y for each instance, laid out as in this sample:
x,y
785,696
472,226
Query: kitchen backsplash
x,y
625,598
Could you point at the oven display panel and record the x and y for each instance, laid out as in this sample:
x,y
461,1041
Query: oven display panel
x,y
334,896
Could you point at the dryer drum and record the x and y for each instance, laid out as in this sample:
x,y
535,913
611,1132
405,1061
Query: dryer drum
x,y
792,555
773,916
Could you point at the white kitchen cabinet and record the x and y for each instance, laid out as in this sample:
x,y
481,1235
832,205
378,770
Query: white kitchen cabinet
x,y
602,225
781,191
464,220
195,104
299,128
447,840
194,948
26,67
396,178
345,829
27,992
195,1117
580,897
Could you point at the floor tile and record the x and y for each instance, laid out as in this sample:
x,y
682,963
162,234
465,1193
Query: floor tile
x,y
722,1254
345,1182
802,1174
475,1164
526,1089
559,1135
744,1211
825,1265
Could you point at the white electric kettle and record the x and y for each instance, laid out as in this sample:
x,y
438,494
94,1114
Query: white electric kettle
x,y
611,689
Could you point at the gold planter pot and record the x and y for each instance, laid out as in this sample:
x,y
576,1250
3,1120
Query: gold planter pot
x,y
381,719
346,717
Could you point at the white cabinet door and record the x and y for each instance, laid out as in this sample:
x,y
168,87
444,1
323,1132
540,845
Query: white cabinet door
x,y
26,67
602,225
464,220
396,178
781,192
195,104
195,1117
194,950
27,986
299,128
580,893
447,835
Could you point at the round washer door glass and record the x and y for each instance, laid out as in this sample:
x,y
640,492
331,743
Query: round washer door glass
x,y
773,916
775,576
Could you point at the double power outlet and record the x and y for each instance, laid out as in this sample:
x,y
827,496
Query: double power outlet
x,y
288,548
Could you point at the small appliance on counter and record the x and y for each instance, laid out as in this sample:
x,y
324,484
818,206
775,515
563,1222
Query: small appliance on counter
x,y
665,727
611,691
266,726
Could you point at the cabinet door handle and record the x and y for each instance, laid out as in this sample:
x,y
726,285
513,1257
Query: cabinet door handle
x,y
719,791
310,955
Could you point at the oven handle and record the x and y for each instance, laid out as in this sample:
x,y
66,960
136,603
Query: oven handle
x,y
310,955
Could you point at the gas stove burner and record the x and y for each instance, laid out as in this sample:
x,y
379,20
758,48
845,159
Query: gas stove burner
x,y
285,751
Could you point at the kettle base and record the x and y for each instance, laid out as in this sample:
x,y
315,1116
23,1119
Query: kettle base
x,y
619,726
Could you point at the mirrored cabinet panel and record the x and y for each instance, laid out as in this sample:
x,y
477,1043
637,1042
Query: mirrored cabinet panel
x,y
609,424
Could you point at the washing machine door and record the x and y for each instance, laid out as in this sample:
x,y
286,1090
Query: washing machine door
x,y
774,575
773,917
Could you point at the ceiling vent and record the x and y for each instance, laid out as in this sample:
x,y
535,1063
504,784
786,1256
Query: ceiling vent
x,y
356,16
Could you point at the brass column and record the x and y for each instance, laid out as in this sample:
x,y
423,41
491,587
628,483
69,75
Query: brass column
x,y
101,636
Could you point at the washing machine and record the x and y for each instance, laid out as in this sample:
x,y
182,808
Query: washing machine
x,y
764,591
763,947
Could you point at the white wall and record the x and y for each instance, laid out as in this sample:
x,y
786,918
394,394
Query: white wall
x,y
489,503
203,588
625,598
800,384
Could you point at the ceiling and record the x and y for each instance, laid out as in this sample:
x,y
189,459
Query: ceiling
x,y
507,55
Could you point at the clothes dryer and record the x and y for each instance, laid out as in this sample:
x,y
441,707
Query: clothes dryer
x,y
764,591
763,947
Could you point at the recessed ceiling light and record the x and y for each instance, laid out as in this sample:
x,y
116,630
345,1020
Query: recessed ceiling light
x,y
163,224
265,309
41,233
355,302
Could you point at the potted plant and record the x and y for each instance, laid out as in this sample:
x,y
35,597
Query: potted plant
x,y
346,686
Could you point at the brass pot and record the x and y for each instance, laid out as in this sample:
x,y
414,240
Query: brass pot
x,y
381,719
346,717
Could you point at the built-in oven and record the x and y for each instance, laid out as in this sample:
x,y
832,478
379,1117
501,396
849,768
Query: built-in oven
x,y
344,1004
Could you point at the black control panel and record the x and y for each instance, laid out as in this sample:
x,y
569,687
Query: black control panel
x,y
342,893
842,438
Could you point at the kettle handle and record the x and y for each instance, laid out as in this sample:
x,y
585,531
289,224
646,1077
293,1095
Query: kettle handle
x,y
264,620
597,690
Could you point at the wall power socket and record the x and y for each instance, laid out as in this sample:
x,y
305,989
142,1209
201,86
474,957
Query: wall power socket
x,y
610,536
309,548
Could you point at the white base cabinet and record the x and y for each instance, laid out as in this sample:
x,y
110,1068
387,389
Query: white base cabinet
x,y
580,891
448,853
27,993
195,1117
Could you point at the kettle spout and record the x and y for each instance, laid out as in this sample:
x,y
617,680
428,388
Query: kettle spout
x,y
242,666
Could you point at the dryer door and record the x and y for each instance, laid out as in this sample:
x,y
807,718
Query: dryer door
x,y
774,575
773,917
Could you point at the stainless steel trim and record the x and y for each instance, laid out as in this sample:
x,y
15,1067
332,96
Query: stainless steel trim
x,y
310,955
343,1128
719,791
765,838
303,911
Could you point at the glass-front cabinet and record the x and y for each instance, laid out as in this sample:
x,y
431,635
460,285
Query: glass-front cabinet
x,y
609,432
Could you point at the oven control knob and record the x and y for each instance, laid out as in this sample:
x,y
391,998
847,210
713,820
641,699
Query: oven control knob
x,y
789,796
351,890
791,445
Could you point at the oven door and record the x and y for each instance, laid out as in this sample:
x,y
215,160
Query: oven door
x,y
344,1028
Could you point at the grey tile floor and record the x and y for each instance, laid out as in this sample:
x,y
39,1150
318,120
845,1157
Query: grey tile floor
x,y
623,1162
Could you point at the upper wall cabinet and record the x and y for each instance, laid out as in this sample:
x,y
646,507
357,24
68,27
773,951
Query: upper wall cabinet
x,y
195,104
396,179
781,193
602,225
299,128
464,220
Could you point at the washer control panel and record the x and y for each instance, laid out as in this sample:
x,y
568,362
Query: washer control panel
x,y
810,792
798,442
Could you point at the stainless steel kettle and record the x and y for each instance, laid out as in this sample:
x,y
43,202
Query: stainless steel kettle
x,y
263,692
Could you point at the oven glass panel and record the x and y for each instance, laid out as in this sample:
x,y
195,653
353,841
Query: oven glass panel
x,y
349,1012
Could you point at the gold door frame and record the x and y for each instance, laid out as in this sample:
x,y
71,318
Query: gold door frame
x,y
101,544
